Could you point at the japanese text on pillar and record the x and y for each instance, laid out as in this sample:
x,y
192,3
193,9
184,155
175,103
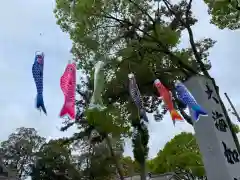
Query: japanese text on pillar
x,y
231,156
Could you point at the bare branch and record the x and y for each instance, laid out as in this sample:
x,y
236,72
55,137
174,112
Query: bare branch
x,y
190,33
189,6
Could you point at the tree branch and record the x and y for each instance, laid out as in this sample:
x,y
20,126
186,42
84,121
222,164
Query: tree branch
x,y
189,6
142,10
190,33
185,116
160,44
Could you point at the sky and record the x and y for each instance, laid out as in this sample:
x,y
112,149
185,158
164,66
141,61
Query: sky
x,y
28,26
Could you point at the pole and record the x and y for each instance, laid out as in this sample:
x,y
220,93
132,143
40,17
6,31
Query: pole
x,y
216,142
233,108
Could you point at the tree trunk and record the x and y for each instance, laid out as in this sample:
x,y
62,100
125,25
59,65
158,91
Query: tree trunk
x,y
118,165
143,171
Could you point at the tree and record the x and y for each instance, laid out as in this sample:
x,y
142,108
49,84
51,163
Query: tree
x,y
54,161
19,150
101,164
224,14
180,153
236,128
130,166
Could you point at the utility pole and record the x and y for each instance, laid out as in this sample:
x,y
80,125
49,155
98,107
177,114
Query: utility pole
x,y
233,108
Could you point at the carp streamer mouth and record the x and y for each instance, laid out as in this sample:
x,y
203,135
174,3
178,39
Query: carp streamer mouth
x,y
157,81
177,83
130,76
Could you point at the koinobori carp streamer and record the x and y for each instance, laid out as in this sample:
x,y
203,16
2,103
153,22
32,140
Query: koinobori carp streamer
x,y
167,98
37,72
99,82
136,96
186,97
68,86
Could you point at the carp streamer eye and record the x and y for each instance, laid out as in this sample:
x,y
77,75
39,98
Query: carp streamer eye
x,y
70,69
40,59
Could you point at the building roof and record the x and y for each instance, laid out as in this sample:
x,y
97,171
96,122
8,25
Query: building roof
x,y
165,176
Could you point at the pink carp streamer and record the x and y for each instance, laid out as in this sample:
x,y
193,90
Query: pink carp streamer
x,y
68,86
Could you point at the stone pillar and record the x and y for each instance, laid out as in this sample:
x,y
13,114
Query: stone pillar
x,y
219,152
